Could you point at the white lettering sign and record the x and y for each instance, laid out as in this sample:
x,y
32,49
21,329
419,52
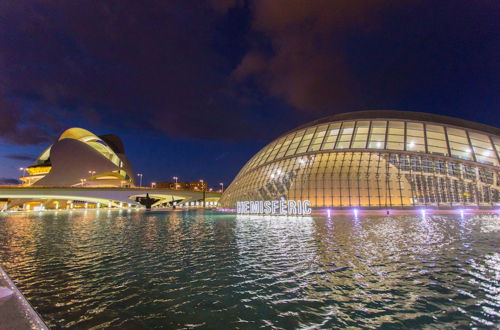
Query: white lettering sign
x,y
276,207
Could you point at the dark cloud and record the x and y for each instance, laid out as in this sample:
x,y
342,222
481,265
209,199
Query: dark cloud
x,y
20,157
9,181
24,125
222,6
233,69
149,65
306,65
331,56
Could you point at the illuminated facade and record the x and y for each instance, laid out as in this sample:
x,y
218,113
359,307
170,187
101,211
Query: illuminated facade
x,y
376,159
81,158
194,185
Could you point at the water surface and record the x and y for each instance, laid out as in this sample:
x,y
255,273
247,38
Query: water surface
x,y
186,269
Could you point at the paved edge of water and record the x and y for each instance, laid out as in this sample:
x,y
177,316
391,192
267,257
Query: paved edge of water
x,y
23,307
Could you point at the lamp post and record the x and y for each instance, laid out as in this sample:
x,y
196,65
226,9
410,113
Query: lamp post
x,y
222,187
203,189
23,169
175,178
92,173
140,179
24,172
83,182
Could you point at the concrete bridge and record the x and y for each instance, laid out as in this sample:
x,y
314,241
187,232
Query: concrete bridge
x,y
12,196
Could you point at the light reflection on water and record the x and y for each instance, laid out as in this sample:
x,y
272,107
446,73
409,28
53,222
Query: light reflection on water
x,y
186,269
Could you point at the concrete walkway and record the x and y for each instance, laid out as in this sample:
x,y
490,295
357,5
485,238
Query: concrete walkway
x,y
16,312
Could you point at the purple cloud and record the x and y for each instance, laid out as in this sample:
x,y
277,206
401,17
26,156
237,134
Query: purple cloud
x,y
9,181
27,158
149,66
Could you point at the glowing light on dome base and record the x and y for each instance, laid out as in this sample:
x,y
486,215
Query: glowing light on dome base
x,y
276,207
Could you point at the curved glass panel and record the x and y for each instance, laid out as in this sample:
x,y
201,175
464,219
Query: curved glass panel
x,y
368,179
374,163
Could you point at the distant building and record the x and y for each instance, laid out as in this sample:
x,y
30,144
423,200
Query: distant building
x,y
81,158
376,159
195,185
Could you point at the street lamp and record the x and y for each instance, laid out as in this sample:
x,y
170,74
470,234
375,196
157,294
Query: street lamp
x,y
203,189
222,185
175,178
24,172
92,173
83,182
140,179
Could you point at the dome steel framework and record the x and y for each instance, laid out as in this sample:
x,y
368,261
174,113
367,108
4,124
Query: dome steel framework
x,y
376,159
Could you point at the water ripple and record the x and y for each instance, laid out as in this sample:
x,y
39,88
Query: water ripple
x,y
208,270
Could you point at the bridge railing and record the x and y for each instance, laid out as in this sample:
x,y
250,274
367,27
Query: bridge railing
x,y
104,188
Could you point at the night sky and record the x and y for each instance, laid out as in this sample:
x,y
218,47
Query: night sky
x,y
196,87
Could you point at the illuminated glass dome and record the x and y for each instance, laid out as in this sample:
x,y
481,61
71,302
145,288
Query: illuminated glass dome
x,y
376,159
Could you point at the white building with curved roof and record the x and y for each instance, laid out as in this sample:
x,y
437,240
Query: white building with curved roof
x,y
81,158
